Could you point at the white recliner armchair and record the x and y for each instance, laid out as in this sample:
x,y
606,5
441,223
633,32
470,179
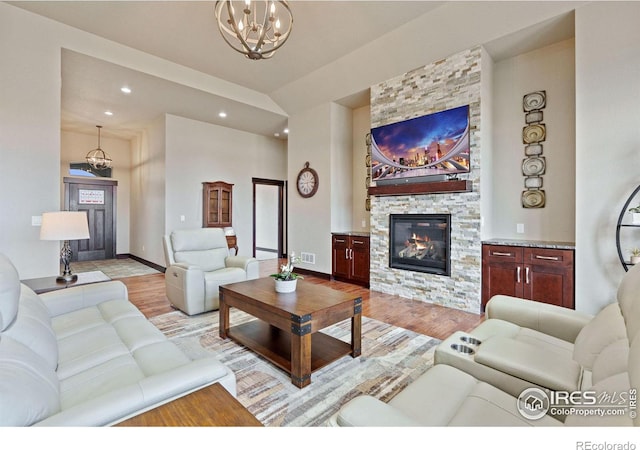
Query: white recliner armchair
x,y
198,263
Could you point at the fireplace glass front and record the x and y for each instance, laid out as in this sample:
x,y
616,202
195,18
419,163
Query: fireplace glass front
x,y
420,242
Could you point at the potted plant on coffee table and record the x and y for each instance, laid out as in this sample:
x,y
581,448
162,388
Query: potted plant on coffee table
x,y
286,279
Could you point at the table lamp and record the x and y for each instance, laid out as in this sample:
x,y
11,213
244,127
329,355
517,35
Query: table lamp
x,y
65,226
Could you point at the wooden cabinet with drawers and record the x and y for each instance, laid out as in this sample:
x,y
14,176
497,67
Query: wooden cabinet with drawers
x,y
350,258
534,273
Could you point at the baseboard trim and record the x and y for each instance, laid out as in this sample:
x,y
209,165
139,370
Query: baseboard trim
x,y
301,271
142,261
270,250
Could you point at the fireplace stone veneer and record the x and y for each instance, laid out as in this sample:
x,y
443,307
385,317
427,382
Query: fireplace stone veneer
x,y
448,83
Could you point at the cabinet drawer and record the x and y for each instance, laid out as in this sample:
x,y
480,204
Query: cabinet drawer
x,y
361,243
342,241
501,253
548,257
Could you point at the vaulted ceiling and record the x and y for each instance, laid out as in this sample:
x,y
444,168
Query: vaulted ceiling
x,y
185,33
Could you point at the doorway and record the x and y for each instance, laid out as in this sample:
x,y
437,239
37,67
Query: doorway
x,y
98,199
269,219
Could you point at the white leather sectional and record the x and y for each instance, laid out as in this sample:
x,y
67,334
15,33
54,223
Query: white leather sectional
x,y
522,345
86,356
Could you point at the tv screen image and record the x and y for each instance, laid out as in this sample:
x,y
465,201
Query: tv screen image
x,y
419,149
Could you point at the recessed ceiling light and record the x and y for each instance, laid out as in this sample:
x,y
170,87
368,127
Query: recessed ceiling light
x,y
286,130
125,89
222,114
108,113
276,134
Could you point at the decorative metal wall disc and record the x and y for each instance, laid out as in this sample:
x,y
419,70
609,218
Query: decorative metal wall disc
x,y
533,150
534,100
533,182
534,133
533,117
533,199
533,166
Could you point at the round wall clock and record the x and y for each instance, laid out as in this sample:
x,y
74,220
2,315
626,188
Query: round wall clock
x,y
307,183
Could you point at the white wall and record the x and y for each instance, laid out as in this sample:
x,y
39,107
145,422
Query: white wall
x,y
197,152
361,126
267,199
74,148
607,141
341,150
310,218
148,193
29,140
550,69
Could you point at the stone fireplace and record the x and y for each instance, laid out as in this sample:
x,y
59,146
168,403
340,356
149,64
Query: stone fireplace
x,y
420,242
456,283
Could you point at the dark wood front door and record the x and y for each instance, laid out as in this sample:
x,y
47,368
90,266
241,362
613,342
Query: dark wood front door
x,y
98,198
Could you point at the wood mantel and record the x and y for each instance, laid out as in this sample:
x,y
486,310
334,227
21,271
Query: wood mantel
x,y
436,187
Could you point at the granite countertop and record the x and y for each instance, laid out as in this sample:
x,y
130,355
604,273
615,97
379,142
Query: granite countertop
x,y
352,233
537,244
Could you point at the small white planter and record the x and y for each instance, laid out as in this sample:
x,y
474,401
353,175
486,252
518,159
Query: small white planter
x,y
635,218
286,286
635,260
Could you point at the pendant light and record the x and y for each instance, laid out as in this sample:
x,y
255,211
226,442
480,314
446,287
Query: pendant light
x,y
97,158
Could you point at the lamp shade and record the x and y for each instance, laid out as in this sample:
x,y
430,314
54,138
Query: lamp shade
x,y
64,226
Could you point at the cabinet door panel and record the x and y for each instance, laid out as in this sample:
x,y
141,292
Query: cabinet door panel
x,y
360,259
340,257
501,279
549,284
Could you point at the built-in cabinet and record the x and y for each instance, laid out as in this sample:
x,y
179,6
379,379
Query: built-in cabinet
x,y
531,272
350,258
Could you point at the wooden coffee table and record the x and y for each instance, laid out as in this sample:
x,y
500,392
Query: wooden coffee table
x,y
287,333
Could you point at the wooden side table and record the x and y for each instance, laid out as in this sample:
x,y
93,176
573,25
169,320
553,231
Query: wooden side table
x,y
212,406
232,243
46,284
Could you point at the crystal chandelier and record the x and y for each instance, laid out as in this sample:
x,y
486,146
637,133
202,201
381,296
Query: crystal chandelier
x,y
97,158
254,28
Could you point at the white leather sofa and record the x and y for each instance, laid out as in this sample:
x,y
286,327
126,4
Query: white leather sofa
x,y
522,344
86,356
526,344
198,263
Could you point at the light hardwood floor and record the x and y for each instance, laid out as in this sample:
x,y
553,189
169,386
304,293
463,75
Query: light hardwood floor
x,y
147,292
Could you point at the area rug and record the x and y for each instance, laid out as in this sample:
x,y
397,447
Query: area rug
x,y
115,268
392,357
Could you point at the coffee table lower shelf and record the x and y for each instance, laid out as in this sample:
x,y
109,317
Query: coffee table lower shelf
x,y
274,344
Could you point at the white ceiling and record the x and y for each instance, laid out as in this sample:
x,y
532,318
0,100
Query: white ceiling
x,y
185,32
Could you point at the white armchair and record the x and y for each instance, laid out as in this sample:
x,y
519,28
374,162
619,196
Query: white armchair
x,y
198,263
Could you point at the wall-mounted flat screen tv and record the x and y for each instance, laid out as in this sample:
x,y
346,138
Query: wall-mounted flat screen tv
x,y
426,148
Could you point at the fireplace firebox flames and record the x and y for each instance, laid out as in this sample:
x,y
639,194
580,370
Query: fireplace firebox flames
x,y
421,247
